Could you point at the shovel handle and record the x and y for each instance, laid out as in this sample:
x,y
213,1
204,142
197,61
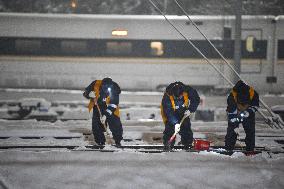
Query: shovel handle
x,y
100,113
174,135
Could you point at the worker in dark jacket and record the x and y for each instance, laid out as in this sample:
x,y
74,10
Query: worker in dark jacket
x,y
179,100
104,100
242,102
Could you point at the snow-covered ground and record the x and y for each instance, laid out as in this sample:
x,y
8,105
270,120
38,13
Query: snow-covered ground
x,y
65,168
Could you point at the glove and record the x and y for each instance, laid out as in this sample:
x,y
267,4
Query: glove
x,y
177,128
243,115
233,118
103,119
92,94
187,113
86,95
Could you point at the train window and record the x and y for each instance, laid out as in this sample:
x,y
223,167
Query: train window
x,y
119,32
73,46
157,48
280,50
27,45
250,41
227,32
118,48
198,23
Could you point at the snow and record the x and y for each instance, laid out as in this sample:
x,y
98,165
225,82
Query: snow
x,y
145,93
80,168
61,169
35,168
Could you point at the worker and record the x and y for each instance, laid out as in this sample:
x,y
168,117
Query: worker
x,y
242,103
179,100
104,101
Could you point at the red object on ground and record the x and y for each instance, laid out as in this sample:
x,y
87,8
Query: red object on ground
x,y
250,153
201,144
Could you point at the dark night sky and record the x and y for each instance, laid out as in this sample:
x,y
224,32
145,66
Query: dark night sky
x,y
193,7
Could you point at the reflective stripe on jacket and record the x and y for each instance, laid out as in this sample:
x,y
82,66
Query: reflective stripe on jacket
x,y
235,94
173,106
93,102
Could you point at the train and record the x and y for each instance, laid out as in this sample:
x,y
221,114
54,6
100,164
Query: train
x,y
140,52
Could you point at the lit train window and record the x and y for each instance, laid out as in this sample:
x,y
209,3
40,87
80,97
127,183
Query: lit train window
x,y
27,45
250,41
119,32
73,4
157,48
73,46
119,48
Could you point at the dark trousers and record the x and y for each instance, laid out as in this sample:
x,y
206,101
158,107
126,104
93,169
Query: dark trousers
x,y
114,124
185,132
249,127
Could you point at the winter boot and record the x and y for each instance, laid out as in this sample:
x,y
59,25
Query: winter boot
x,y
117,144
187,147
101,145
168,146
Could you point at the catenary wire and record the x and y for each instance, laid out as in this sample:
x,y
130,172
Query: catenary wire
x,y
272,121
224,59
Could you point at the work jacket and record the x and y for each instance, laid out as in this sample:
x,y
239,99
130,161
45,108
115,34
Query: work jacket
x,y
253,101
172,109
107,97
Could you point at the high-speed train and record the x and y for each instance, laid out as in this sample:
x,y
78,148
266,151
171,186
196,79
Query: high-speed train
x,y
140,52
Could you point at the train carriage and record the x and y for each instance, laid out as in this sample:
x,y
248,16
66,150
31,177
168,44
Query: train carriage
x,y
140,52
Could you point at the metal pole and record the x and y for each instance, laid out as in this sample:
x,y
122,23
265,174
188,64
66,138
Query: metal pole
x,y
238,38
274,52
165,6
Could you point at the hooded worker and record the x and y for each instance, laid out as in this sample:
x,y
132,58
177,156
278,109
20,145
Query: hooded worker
x,y
179,100
242,103
104,100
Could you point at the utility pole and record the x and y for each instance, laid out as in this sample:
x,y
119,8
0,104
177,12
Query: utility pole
x,y
238,37
165,6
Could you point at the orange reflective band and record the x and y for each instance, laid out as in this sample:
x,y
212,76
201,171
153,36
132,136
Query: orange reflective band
x,y
96,89
251,94
186,104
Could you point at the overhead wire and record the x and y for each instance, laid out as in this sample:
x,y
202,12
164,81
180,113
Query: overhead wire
x,y
275,117
231,67
275,120
193,45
